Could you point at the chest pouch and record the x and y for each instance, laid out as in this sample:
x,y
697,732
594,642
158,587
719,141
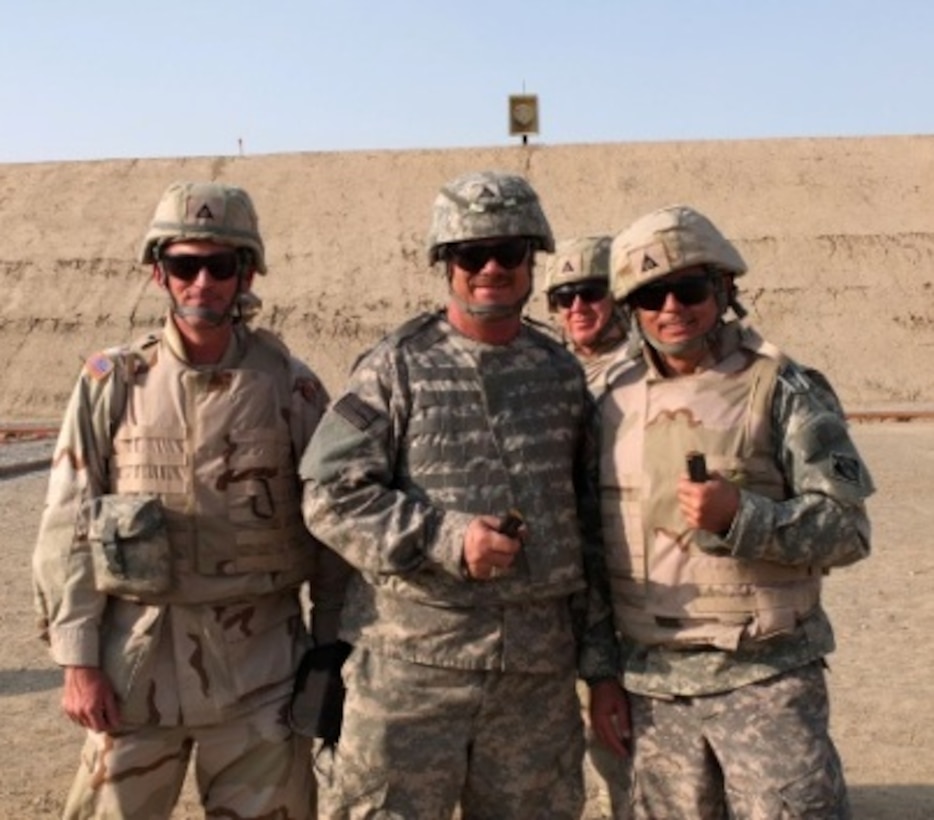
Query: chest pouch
x,y
129,545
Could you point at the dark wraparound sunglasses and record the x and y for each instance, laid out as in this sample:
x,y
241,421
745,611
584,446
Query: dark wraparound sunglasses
x,y
691,290
590,292
220,266
473,257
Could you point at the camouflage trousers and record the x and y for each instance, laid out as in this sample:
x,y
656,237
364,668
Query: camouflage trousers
x,y
252,766
418,739
761,752
606,776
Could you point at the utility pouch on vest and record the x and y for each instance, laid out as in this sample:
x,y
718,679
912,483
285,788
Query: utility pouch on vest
x,y
129,545
317,708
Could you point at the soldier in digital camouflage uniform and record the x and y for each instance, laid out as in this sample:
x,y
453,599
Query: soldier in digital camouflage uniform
x,y
716,582
461,686
172,547
577,287
594,329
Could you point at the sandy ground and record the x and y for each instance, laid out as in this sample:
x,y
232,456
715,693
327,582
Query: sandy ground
x,y
882,696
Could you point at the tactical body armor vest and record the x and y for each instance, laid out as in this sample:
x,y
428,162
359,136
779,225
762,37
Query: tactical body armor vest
x,y
491,429
666,590
214,446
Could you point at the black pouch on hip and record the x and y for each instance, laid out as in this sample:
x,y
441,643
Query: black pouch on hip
x,y
317,707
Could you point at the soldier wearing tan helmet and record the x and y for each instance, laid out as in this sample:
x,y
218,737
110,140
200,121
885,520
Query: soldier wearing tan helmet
x,y
172,549
457,475
730,486
577,287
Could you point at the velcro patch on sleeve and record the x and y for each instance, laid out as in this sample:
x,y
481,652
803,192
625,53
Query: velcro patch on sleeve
x,y
845,467
99,366
796,381
356,411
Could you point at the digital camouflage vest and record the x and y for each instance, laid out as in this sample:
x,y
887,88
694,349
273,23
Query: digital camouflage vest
x,y
490,429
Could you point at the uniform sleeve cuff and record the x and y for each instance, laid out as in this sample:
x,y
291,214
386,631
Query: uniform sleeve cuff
x,y
77,646
446,549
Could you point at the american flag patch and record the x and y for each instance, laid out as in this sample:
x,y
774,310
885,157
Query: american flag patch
x,y
99,366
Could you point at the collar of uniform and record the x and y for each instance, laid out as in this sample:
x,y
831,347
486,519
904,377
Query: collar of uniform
x,y
173,340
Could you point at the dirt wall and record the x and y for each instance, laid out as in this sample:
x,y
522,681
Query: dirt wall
x,y
839,234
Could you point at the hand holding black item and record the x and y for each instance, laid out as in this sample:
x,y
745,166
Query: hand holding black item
x,y
511,523
697,467
317,707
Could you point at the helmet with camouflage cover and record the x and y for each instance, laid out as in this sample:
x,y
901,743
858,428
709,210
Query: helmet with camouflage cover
x,y
665,241
205,211
583,259
485,205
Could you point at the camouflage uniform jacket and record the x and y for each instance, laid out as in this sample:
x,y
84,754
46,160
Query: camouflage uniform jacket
x,y
435,429
223,637
597,365
819,521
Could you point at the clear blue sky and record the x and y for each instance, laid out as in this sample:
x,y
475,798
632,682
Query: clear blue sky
x,y
95,79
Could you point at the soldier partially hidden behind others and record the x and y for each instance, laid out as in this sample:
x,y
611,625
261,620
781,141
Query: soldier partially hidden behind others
x,y
716,567
577,287
461,685
172,549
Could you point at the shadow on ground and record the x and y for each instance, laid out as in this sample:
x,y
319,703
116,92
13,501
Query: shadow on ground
x,y
908,802
22,681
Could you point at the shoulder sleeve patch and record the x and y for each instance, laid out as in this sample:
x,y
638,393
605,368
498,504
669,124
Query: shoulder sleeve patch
x,y
356,411
99,366
795,379
845,468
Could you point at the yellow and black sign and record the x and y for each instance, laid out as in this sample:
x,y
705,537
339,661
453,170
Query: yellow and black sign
x,y
523,114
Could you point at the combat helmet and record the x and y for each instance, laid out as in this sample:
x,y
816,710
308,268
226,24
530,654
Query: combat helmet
x,y
205,210
668,240
484,205
583,259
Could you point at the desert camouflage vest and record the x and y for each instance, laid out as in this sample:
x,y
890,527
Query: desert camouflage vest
x,y
666,590
214,446
491,428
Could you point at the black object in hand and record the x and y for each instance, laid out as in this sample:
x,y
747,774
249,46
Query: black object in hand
x,y
697,467
317,707
510,523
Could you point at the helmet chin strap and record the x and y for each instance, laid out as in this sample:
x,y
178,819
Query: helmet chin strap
x,y
491,313
637,334
184,312
212,316
678,348
725,296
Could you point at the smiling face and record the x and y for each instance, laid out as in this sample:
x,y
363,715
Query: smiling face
x,y
676,313
584,309
490,276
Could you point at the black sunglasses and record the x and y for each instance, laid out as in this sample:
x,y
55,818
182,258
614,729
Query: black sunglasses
x,y
473,257
590,292
220,266
691,290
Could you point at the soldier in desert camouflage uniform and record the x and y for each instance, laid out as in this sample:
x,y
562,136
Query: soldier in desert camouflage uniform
x,y
461,686
716,579
172,548
577,287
